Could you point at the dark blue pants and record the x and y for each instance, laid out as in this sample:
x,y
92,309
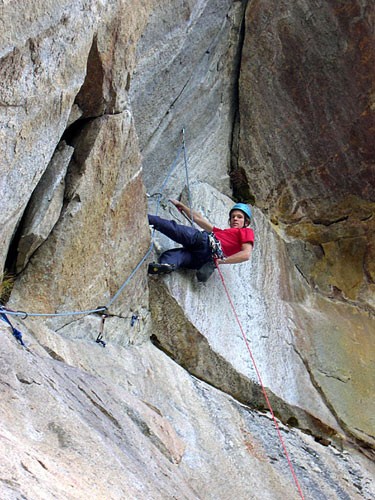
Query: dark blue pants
x,y
195,250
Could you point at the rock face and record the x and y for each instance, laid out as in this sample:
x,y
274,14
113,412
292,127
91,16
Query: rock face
x,y
186,78
34,70
44,207
135,436
40,83
306,135
151,391
98,206
302,343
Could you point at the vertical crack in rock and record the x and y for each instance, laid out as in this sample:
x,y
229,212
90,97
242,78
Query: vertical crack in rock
x,y
42,211
238,177
44,207
90,98
75,170
57,186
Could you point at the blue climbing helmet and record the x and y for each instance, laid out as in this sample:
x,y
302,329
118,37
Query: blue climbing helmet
x,y
243,207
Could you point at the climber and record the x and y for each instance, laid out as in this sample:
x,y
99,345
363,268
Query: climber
x,y
203,250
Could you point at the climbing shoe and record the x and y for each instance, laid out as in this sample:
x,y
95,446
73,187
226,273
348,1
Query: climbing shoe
x,y
156,268
205,271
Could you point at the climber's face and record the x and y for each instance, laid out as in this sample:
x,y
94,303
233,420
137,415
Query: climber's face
x,y
237,219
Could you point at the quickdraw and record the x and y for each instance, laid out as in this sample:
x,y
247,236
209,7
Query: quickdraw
x,y
16,333
99,338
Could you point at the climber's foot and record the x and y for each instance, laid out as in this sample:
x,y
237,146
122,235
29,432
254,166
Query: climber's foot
x,y
156,268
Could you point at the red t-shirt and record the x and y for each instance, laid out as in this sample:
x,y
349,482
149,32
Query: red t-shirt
x,y
233,238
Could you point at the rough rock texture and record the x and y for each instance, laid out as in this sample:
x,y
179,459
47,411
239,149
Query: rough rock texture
x,y
130,434
44,207
46,52
34,70
303,344
307,134
117,80
93,246
186,78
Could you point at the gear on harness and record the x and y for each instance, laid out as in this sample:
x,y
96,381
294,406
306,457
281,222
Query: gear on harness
x,y
217,251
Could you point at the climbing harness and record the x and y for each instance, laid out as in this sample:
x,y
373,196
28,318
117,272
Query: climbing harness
x,y
261,384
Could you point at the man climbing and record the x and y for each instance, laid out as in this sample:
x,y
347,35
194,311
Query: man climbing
x,y
202,249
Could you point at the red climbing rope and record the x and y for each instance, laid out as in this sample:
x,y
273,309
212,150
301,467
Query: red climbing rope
x,y
261,384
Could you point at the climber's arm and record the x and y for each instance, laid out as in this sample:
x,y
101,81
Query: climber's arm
x,y
195,216
242,256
